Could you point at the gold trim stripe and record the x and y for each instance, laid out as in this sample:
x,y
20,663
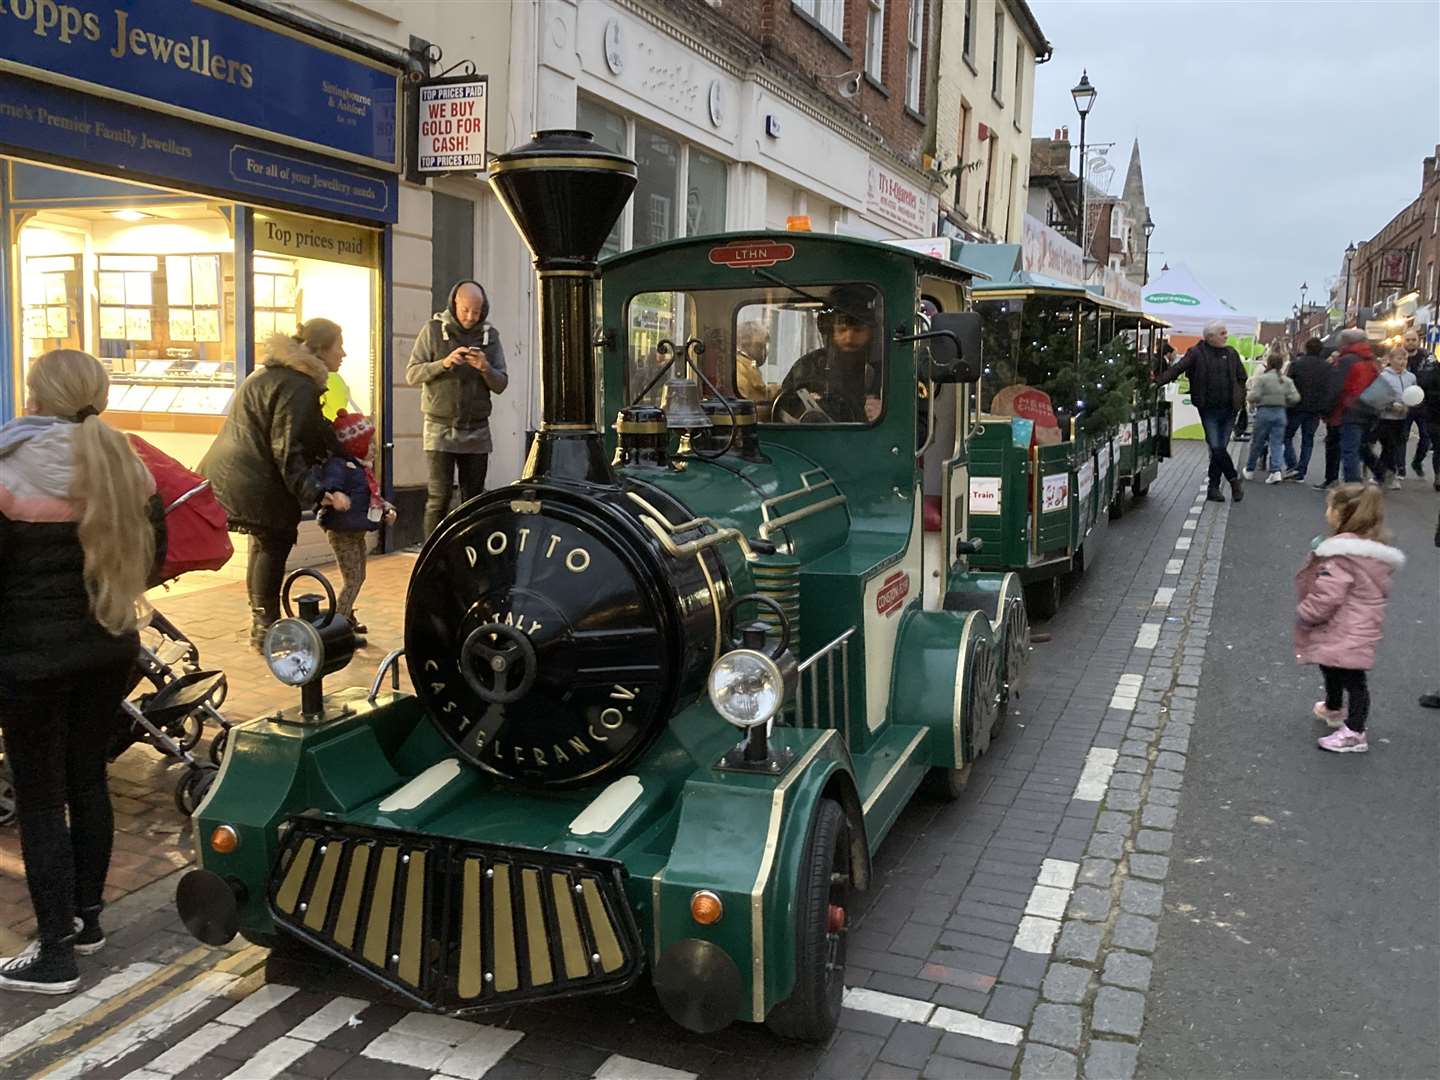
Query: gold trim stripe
x,y
536,940
762,877
578,161
318,904
572,946
289,894
900,761
350,900
377,926
412,934
607,944
471,980
506,975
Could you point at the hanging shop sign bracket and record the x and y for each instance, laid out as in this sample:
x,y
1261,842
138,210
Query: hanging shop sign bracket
x,y
451,118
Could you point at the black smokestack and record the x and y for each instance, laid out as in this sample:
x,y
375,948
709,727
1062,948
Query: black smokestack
x,y
564,192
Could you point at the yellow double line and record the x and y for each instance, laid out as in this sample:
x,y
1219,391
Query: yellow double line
x,y
247,964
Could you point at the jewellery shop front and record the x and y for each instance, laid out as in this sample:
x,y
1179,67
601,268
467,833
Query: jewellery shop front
x,y
179,179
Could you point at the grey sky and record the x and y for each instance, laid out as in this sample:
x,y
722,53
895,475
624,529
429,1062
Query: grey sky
x,y
1271,133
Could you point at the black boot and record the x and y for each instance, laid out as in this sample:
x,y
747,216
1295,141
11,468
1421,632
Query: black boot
x,y
1213,495
260,621
89,938
42,968
1237,489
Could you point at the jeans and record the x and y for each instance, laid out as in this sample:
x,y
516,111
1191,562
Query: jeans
x,y
1392,447
1218,424
57,734
1269,434
443,467
1426,443
1305,423
265,573
1347,680
1354,444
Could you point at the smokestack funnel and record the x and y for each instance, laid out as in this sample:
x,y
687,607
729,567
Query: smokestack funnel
x,y
564,192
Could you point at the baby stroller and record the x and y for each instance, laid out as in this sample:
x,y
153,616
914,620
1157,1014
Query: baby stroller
x,y
177,695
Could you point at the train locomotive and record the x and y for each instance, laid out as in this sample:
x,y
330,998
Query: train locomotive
x,y
674,685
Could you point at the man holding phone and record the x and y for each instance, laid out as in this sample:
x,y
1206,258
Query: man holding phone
x,y
458,363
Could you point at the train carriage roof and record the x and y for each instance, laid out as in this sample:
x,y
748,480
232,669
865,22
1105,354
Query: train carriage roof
x,y
924,262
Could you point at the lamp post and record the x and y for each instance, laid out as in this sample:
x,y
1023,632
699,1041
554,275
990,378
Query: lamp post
x,y
1349,255
1147,228
1295,336
1084,94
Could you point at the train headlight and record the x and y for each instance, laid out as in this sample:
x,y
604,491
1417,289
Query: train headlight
x,y
294,652
746,687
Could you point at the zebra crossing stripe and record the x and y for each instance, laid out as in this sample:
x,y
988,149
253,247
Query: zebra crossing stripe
x,y
24,1036
220,1030
446,1046
169,1011
273,1060
616,1067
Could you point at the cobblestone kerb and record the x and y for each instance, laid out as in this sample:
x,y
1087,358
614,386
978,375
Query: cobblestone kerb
x,y
1092,1009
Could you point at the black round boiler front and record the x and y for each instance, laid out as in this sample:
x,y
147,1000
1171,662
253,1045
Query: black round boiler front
x,y
550,636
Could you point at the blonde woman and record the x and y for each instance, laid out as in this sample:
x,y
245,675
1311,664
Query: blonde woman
x,y
80,530
265,465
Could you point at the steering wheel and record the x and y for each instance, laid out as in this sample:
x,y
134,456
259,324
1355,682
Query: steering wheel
x,y
802,405
499,663
761,600
303,572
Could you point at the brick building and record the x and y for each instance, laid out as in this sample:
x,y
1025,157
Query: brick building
x,y
988,50
1402,258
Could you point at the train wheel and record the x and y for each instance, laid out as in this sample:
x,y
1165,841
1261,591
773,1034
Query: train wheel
x,y
218,745
812,1011
947,785
190,792
1017,655
1116,509
1138,492
1042,598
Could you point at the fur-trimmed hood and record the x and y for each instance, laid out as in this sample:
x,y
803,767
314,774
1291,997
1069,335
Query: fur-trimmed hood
x,y
1350,544
282,350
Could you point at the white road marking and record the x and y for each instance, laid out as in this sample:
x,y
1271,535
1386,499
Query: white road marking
x,y
1047,902
1095,776
1059,873
1188,523
963,1023
273,1060
456,1048
891,1005
616,1067
1163,596
1174,566
332,1016
1149,635
146,1026
73,1009
1183,544
1036,935
255,1005
187,1051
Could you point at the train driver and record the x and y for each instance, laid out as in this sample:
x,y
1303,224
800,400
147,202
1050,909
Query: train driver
x,y
838,383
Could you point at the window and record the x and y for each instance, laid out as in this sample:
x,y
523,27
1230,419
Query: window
x,y
452,245
1011,191
1017,104
814,357
1430,282
875,39
997,74
1435,224
964,158
914,35
828,13
969,50
989,182
671,175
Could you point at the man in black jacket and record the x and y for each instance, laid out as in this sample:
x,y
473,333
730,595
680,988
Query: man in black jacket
x,y
1313,377
1428,414
1217,389
1418,357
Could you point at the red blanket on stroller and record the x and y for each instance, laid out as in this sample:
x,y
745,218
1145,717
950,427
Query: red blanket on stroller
x,y
195,523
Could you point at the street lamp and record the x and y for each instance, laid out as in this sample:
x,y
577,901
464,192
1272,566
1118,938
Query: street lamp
x,y
1147,228
1084,94
1349,254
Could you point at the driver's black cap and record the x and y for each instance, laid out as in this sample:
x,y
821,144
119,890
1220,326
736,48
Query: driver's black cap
x,y
856,301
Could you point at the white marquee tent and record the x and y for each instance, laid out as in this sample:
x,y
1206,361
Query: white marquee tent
x,y
1178,297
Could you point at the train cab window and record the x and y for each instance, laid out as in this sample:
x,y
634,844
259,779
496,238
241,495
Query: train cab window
x,y
810,355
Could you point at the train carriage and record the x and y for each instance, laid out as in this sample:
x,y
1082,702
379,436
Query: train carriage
x,y
1070,427
674,685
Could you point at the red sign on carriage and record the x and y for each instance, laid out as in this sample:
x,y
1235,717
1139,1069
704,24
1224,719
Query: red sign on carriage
x,y
746,256
892,593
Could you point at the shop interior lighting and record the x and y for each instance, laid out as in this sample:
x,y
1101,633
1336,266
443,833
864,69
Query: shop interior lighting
x,y
131,215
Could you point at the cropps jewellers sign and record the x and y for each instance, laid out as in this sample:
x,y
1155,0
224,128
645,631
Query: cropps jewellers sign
x,y
452,119
889,197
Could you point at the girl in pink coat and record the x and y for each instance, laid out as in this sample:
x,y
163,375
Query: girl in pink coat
x,y
1342,591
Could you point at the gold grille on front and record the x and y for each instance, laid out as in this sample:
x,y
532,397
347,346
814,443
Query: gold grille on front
x,y
509,927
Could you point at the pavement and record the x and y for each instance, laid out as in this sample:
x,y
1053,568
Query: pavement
x,y
1052,922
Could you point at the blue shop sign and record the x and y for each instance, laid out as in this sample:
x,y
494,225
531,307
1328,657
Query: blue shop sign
x,y
206,61
147,146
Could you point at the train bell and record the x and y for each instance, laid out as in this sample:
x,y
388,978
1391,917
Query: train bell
x,y
680,399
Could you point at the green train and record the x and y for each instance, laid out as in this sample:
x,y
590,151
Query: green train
x,y
1071,427
674,685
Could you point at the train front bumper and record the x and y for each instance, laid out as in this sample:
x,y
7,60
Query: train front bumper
x,y
454,925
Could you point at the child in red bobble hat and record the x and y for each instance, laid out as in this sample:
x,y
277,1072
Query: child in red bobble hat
x,y
347,530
